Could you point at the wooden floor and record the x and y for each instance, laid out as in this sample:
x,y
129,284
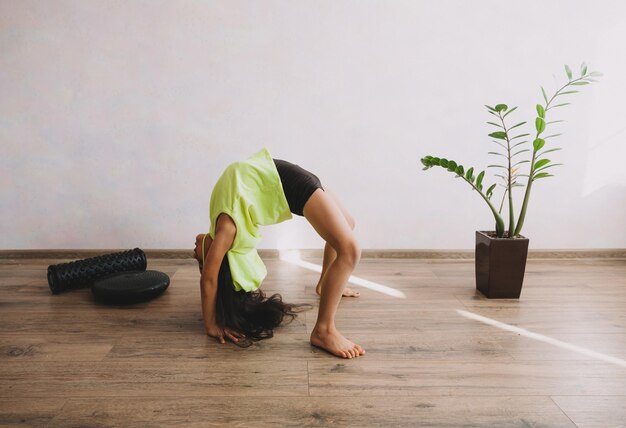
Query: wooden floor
x,y
66,361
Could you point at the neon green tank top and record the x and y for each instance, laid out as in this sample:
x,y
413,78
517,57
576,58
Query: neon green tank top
x,y
251,193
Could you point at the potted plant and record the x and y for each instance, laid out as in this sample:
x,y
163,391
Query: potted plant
x,y
501,254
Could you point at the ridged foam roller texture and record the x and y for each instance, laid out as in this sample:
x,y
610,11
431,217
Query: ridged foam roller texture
x,y
82,273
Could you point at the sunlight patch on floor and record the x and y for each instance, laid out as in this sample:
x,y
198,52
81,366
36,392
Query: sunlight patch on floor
x,y
293,257
542,338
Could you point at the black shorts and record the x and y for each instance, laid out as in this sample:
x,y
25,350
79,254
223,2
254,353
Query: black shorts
x,y
298,184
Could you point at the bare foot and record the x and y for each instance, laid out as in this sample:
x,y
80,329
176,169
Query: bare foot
x,y
347,292
336,344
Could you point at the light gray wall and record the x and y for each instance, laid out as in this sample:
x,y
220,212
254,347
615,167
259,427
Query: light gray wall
x,y
117,117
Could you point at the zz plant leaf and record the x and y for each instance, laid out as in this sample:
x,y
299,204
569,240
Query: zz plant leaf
x,y
568,72
540,125
499,135
540,111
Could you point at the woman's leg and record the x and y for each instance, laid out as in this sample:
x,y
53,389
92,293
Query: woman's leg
x,y
330,254
326,217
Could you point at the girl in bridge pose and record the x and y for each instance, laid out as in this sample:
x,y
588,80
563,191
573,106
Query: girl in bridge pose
x,y
262,191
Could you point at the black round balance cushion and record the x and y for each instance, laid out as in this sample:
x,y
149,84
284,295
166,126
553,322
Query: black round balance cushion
x,y
130,287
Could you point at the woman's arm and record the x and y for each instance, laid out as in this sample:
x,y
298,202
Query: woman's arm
x,y
225,231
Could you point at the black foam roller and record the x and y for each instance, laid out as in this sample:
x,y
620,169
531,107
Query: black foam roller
x,y
82,273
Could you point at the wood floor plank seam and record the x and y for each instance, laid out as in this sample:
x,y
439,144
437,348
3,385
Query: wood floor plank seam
x,y
180,396
126,360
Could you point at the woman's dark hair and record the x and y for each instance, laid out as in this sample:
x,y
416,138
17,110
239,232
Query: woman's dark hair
x,y
250,313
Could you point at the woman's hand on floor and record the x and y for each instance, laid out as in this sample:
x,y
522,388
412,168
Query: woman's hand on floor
x,y
220,333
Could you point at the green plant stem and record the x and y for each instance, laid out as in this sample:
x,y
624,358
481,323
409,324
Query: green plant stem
x,y
502,203
509,186
522,215
498,218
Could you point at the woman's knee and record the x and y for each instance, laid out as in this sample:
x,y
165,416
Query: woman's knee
x,y
349,251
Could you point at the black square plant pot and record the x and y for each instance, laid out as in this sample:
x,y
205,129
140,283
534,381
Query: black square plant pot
x,y
500,265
